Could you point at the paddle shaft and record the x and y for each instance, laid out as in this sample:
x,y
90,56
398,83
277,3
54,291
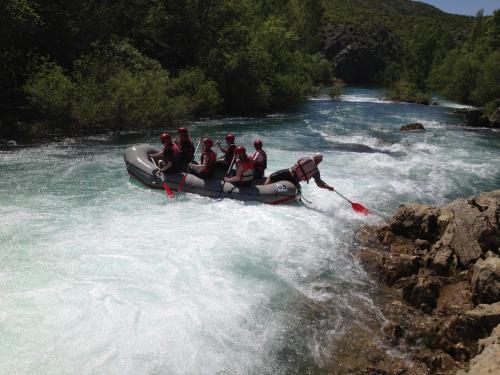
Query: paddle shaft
x,y
167,189
343,196
227,173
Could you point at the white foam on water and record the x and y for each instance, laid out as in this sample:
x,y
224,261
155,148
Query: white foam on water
x,y
101,275
364,99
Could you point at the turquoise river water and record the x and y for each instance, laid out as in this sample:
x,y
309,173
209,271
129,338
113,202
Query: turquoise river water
x,y
99,275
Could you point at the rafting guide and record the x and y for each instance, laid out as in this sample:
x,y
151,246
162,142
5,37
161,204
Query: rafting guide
x,y
303,170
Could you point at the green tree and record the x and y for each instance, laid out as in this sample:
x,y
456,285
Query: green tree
x,y
487,88
51,92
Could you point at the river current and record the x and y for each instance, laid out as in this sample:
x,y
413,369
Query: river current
x,y
99,275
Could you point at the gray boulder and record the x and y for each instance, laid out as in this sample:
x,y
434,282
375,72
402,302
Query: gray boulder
x,y
473,229
415,221
485,281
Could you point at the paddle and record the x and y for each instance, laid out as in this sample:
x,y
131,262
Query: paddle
x,y
356,206
179,188
227,174
167,189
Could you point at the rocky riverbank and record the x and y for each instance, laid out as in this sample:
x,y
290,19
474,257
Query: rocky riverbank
x,y
478,118
440,289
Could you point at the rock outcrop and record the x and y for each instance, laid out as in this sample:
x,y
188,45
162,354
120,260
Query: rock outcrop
x,y
487,362
444,263
485,281
415,127
477,118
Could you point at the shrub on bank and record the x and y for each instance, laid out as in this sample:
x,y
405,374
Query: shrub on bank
x,y
50,92
405,91
199,95
116,87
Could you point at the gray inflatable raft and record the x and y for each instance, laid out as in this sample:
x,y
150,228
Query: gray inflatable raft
x,y
140,166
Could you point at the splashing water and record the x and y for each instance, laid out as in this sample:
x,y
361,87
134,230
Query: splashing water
x,y
101,275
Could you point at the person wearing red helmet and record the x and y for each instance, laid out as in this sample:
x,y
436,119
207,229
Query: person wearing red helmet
x,y
185,145
228,150
304,169
206,168
244,168
260,159
168,158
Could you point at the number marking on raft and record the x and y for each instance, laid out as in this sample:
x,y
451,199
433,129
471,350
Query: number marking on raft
x,y
281,188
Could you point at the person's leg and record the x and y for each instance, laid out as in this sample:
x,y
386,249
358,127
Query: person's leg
x,y
281,175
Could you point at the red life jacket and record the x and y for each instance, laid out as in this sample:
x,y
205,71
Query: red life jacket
x,y
187,149
260,166
305,168
171,153
210,158
228,156
247,169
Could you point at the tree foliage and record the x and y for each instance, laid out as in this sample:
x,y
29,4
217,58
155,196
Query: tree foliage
x,y
471,72
139,63
122,64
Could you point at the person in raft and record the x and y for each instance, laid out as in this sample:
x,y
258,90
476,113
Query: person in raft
x,y
244,168
260,159
167,159
304,169
185,145
228,150
206,168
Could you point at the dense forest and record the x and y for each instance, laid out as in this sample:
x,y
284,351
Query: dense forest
x,y
115,64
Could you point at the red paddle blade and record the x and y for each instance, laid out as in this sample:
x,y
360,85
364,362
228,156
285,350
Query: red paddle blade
x,y
168,191
179,188
360,209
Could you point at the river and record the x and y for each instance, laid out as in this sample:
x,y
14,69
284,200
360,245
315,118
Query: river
x,y
99,275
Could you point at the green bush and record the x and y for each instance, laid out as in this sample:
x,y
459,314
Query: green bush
x,y
488,80
407,91
50,91
320,69
119,88
336,90
112,87
201,95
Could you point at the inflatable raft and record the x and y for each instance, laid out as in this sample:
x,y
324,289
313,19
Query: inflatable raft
x,y
140,166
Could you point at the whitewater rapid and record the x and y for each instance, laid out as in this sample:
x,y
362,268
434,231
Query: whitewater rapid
x,y
101,275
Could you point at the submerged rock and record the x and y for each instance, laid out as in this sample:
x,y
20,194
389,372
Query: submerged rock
x,y
415,127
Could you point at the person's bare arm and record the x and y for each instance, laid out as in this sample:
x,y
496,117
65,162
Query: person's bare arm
x,y
323,185
199,167
236,178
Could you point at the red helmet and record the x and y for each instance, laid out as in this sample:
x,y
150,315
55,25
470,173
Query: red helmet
x,y
208,142
165,137
182,131
230,137
257,144
240,150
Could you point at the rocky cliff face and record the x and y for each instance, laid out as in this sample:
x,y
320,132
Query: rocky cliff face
x,y
444,263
